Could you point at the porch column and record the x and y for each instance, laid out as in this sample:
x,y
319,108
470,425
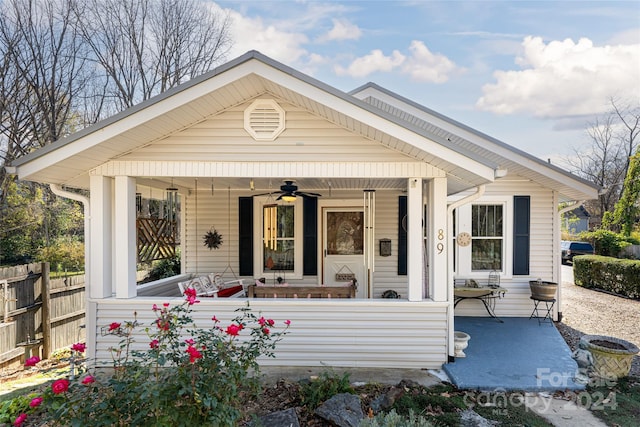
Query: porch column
x,y
125,237
437,238
100,279
414,239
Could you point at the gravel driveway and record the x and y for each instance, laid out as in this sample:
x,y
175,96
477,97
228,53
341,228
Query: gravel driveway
x,y
585,311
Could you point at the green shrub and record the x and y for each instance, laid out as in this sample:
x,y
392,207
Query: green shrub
x,y
203,380
620,276
328,384
11,408
605,242
164,268
64,254
393,419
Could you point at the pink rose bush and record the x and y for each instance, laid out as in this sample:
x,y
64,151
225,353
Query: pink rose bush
x,y
204,378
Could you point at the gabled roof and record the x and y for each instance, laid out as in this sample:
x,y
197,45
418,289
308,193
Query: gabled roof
x,y
469,158
516,161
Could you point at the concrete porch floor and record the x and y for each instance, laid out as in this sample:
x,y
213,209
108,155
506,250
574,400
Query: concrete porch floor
x,y
519,354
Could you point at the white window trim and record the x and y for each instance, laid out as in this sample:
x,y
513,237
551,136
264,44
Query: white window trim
x,y
258,238
463,255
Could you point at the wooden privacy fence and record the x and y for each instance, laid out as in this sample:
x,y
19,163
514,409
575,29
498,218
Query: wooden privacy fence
x,y
38,314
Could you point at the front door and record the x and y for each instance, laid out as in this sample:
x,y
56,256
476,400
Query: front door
x,y
343,247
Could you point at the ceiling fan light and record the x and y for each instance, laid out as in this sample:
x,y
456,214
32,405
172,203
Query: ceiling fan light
x,y
288,197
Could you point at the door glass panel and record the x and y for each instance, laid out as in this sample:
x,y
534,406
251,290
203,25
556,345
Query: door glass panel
x,y
345,233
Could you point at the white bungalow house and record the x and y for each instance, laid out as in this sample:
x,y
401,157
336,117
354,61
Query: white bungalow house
x,y
403,199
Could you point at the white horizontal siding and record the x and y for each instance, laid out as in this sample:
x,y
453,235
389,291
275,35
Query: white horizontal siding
x,y
306,137
341,333
516,302
213,212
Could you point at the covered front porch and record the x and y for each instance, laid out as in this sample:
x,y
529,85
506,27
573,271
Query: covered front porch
x,y
518,354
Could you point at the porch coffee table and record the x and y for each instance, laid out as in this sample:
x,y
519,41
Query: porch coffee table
x,y
487,295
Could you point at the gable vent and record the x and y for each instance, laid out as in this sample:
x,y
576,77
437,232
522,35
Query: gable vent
x,y
264,120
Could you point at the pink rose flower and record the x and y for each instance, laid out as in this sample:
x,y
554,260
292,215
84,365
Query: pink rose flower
x,y
88,380
287,322
155,307
113,326
35,402
154,344
60,386
20,420
32,361
234,329
79,347
165,304
191,295
194,354
215,319
262,321
266,331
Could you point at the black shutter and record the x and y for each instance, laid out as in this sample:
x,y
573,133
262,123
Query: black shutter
x,y
402,236
310,234
521,230
245,236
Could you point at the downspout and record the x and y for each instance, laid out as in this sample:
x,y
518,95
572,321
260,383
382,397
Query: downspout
x,y
89,318
556,256
450,208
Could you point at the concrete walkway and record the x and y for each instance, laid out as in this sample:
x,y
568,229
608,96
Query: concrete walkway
x,y
519,354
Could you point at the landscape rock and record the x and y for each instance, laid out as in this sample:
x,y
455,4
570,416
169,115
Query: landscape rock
x,y
386,401
286,418
470,418
343,410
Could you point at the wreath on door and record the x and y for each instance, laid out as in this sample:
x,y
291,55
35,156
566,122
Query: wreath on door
x,y
212,239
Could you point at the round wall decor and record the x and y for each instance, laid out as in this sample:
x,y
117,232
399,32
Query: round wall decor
x,y
463,239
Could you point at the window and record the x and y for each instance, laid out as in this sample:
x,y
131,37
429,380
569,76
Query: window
x,y
278,235
487,233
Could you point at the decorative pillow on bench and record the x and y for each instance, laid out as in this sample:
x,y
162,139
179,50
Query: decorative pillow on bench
x,y
227,292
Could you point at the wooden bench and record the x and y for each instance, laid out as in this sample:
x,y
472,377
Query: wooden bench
x,y
270,291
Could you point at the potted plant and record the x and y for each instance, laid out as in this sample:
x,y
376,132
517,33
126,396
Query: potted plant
x,y
543,290
612,357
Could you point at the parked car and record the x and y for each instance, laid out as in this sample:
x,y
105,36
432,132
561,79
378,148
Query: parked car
x,y
570,249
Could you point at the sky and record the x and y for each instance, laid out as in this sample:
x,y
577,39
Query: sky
x,y
533,74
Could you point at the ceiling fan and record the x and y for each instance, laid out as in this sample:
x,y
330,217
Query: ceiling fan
x,y
289,191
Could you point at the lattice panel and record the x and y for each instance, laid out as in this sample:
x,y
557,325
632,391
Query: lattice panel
x,y
156,239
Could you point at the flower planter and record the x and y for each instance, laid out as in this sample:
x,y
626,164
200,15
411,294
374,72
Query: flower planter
x,y
612,357
543,290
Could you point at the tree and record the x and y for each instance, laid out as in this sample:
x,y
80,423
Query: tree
x,y
148,46
627,209
65,64
614,138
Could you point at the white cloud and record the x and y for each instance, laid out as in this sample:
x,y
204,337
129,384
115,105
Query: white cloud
x,y
371,63
254,34
342,30
425,66
420,64
563,78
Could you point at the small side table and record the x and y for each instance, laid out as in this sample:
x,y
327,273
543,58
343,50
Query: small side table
x,y
545,310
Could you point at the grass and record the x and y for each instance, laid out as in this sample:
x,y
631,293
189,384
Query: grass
x,y
617,404
442,405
